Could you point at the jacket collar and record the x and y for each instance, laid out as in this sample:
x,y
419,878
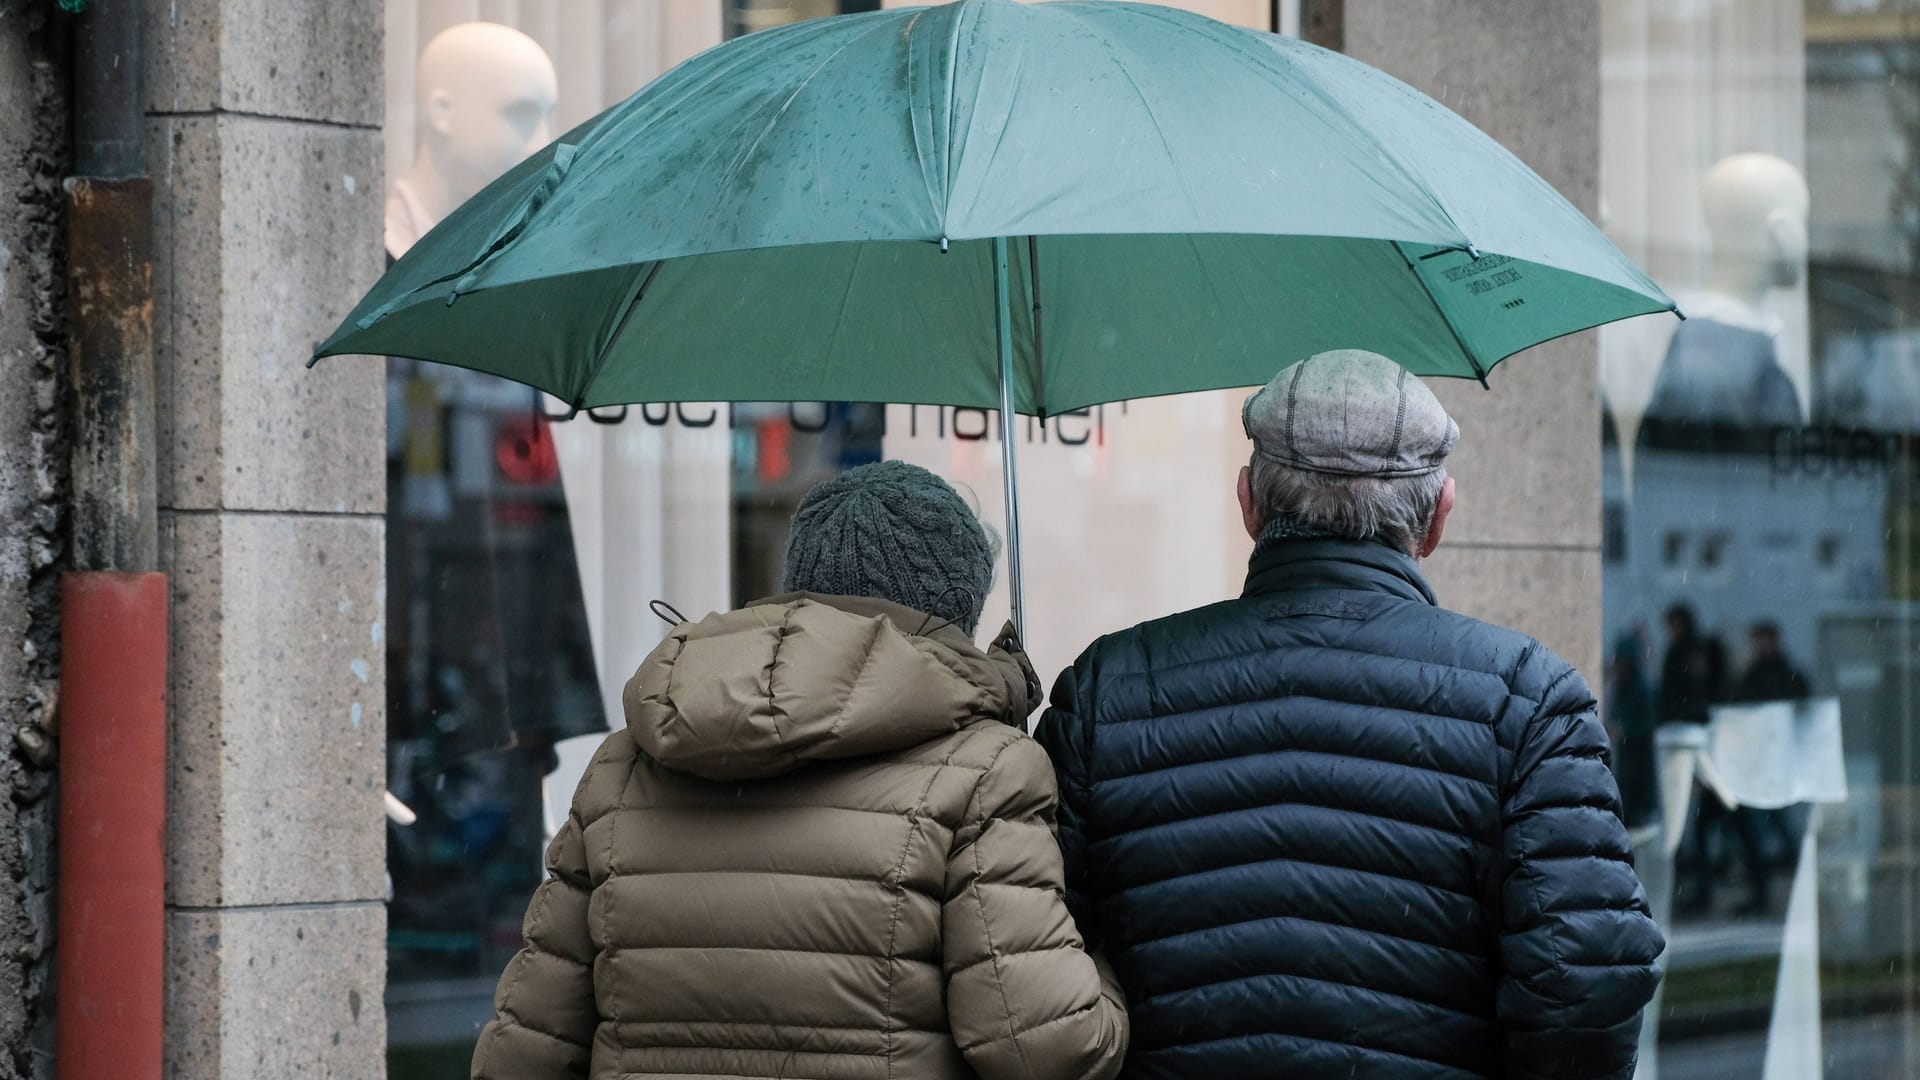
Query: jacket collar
x,y
1304,565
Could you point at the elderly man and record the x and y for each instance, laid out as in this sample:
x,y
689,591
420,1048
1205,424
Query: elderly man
x,y
1331,829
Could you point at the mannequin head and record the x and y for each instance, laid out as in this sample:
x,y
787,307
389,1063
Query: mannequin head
x,y
1756,208
486,94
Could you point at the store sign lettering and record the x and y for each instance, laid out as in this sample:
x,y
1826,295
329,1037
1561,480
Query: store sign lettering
x,y
1079,427
1831,450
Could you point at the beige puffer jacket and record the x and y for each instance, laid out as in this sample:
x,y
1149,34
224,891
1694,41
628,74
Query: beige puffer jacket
x,y
818,849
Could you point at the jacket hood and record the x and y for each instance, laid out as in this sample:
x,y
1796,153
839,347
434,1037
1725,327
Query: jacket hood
x,y
766,689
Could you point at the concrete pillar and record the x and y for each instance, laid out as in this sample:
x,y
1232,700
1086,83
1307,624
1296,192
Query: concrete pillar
x,y
1524,547
267,166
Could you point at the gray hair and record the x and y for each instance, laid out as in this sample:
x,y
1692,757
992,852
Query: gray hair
x,y
1395,510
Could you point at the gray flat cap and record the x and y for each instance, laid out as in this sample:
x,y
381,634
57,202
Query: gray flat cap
x,y
1350,413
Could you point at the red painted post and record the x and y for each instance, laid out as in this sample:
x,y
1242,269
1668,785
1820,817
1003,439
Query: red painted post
x,y
113,777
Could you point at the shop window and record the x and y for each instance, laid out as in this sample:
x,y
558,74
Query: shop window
x,y
1761,160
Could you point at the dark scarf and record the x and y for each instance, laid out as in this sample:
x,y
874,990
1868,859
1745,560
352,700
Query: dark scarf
x,y
1286,528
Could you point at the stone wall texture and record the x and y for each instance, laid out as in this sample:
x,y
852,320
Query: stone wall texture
x,y
33,544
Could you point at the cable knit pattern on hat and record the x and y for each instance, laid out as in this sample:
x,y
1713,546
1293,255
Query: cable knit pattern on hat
x,y
896,532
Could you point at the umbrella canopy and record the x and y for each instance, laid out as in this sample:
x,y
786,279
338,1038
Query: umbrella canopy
x,y
834,210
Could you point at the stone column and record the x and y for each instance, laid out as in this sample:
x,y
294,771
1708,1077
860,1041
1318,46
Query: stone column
x,y
1524,547
267,167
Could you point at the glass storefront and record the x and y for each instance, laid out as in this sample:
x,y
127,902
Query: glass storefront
x,y
498,513
1760,471
524,546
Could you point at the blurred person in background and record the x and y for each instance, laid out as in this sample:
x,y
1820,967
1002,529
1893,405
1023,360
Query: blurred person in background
x,y
1630,726
1769,838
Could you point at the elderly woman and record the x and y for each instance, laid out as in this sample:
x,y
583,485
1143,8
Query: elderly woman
x,y
822,846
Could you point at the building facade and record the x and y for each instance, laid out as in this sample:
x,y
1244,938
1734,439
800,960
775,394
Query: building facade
x,y
405,599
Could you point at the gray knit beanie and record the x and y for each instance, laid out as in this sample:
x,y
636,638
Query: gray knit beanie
x,y
895,532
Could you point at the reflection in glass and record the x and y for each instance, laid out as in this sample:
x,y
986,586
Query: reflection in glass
x,y
489,667
1762,469
524,544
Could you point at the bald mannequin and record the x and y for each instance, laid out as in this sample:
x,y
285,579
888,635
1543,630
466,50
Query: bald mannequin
x,y
1756,207
1722,367
485,101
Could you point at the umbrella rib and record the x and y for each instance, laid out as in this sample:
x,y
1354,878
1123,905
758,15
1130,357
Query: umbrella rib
x,y
979,87
1146,106
935,200
953,70
1039,354
619,328
1459,342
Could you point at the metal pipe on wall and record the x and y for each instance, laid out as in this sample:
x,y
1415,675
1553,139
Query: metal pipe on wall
x,y
110,884
109,114
111,880
110,296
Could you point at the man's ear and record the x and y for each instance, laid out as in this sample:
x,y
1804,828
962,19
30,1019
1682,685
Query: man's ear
x,y
1438,525
1249,513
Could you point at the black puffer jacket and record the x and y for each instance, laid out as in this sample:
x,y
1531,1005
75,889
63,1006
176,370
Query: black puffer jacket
x,y
1331,830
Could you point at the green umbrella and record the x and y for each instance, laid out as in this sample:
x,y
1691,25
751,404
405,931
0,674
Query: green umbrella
x,y
994,204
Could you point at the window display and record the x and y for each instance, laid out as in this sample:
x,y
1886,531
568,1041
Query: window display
x,y
507,528
1762,462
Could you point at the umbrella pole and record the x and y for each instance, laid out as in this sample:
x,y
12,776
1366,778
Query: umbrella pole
x,y
1003,315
